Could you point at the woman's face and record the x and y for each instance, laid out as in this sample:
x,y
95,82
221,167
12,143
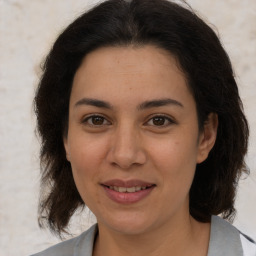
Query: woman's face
x,y
133,140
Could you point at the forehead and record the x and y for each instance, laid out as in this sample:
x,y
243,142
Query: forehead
x,y
145,71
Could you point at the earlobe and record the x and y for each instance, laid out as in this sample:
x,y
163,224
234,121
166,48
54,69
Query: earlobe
x,y
68,157
207,137
65,143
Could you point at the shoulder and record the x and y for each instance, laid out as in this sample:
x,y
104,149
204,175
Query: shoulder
x,y
81,245
227,238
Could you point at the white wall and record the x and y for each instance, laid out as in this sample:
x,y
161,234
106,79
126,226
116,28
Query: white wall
x,y
27,30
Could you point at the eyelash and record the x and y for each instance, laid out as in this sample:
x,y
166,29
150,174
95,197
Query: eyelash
x,y
86,120
164,117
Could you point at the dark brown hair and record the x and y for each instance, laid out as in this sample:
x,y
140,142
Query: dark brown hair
x,y
209,75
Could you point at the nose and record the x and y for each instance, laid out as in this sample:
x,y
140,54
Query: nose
x,y
126,148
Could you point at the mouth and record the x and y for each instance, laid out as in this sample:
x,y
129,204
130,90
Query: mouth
x,y
129,189
127,192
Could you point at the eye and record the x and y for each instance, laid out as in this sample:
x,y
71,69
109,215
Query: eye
x,y
161,121
96,120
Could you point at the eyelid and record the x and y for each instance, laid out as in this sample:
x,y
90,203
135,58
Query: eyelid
x,y
170,120
87,117
167,117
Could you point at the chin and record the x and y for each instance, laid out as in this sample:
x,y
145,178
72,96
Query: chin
x,y
129,226
131,229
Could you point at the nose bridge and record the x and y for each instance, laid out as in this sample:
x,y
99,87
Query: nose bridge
x,y
125,138
126,148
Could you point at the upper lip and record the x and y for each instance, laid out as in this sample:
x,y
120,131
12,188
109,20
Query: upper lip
x,y
127,183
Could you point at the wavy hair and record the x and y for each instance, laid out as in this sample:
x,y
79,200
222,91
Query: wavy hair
x,y
210,78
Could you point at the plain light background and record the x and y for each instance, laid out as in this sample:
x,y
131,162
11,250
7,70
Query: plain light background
x,y
27,30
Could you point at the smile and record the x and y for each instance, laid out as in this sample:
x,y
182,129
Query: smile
x,y
128,190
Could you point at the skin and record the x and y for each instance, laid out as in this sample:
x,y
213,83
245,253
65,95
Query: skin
x,y
128,142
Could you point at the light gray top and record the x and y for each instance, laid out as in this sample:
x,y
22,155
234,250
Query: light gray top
x,y
224,240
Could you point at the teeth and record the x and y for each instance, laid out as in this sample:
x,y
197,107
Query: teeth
x,y
121,189
137,188
130,190
127,190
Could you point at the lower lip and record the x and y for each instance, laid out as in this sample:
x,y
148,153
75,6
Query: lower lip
x,y
127,198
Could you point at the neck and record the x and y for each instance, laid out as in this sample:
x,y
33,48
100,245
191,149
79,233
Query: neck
x,y
186,237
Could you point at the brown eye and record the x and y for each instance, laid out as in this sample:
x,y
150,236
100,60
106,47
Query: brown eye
x,y
96,121
160,121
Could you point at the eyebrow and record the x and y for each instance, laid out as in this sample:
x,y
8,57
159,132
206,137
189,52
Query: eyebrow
x,y
159,103
94,102
142,106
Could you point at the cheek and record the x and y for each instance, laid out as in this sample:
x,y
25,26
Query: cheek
x,y
86,157
176,161
177,152
87,150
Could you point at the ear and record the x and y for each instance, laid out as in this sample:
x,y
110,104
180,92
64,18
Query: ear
x,y
207,137
65,143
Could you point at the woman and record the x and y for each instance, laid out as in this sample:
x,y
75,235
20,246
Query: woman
x,y
141,121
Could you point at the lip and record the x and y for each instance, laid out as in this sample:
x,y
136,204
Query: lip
x,y
127,183
124,197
